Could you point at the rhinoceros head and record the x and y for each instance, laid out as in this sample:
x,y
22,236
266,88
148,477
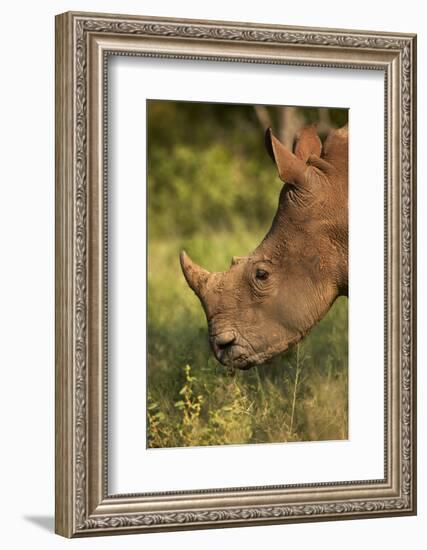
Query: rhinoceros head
x,y
270,299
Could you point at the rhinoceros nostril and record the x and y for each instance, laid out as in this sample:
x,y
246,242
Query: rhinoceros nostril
x,y
224,340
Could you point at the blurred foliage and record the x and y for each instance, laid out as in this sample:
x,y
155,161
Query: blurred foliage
x,y
213,191
208,168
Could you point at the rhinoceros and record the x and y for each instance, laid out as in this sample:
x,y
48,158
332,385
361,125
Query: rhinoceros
x,y
269,300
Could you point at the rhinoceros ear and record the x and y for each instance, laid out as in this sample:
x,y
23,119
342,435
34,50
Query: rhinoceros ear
x,y
291,168
237,260
308,143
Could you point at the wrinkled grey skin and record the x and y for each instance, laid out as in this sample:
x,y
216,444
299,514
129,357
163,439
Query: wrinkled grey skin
x,y
270,299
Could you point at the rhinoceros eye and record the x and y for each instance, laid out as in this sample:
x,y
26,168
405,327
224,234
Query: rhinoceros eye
x,y
262,274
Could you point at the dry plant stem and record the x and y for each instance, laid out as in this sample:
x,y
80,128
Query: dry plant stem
x,y
297,374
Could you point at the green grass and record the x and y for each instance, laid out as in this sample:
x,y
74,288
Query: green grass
x,y
300,396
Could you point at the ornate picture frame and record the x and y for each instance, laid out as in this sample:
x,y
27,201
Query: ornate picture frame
x,y
84,42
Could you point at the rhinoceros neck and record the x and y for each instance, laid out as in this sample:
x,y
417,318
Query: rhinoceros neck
x,y
342,253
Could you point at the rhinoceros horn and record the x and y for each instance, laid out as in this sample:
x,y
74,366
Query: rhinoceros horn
x,y
195,275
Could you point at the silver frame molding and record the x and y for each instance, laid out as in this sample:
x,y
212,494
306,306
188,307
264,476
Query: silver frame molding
x,y
83,43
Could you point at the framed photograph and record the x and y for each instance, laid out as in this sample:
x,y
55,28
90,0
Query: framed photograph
x,y
235,274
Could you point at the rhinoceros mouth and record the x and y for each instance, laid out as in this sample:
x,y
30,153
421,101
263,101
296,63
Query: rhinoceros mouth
x,y
239,357
239,353
231,349
232,356
243,361
242,358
